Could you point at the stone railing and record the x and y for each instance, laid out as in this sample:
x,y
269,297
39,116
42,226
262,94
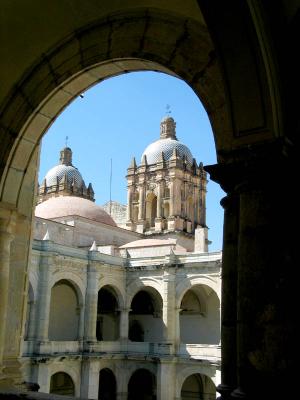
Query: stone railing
x,y
210,352
191,351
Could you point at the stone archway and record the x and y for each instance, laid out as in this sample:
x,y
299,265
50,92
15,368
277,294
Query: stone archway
x,y
145,317
64,312
62,384
241,88
107,385
142,385
199,316
107,328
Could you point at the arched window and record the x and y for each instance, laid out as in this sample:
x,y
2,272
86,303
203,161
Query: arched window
x,y
61,383
107,385
142,385
107,315
64,312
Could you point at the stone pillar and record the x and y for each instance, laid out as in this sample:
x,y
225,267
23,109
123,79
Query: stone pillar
x,y
260,209
229,293
169,304
89,379
141,216
124,324
166,380
172,193
44,297
31,320
159,199
80,311
42,375
91,303
129,203
175,197
122,378
7,226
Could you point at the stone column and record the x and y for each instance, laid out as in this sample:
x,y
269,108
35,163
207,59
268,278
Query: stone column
x,y
159,199
31,320
172,193
124,324
44,297
169,304
80,311
7,226
89,379
141,215
129,203
262,200
166,380
229,293
122,378
91,303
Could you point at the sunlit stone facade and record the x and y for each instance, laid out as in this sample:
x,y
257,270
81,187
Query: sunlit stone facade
x,y
129,313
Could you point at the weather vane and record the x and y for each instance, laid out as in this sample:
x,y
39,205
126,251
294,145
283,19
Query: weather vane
x,y
168,108
67,137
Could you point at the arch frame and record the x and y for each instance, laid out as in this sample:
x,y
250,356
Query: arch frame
x,y
184,373
140,284
68,370
74,280
118,289
189,283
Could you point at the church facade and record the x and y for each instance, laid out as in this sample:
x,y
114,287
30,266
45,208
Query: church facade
x,y
125,308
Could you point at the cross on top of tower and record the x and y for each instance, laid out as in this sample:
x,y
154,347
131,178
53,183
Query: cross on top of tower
x,y
168,109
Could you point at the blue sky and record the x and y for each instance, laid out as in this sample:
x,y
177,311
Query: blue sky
x,y
117,119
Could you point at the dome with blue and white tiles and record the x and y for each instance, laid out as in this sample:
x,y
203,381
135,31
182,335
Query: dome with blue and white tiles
x,y
166,144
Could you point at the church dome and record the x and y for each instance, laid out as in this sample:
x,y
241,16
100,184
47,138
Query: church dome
x,y
167,144
57,173
65,206
64,180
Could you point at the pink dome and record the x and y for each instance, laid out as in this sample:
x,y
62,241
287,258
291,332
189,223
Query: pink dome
x,y
64,206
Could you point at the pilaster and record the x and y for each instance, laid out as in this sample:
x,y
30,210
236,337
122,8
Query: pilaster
x,y
7,229
124,324
91,304
44,298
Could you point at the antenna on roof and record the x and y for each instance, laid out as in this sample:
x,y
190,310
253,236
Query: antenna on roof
x,y
67,137
110,180
168,109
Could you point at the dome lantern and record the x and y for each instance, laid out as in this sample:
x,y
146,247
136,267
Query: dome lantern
x,y
66,156
168,128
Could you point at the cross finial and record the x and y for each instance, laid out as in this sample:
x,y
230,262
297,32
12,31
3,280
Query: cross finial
x,y
168,109
67,137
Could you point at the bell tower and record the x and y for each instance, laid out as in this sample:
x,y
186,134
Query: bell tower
x,y
167,191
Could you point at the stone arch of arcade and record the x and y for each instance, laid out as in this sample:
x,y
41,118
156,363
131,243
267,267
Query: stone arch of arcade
x,y
241,87
203,372
65,311
107,384
199,317
145,317
62,383
108,314
142,385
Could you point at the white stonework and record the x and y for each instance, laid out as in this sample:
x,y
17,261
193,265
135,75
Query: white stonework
x,y
106,304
